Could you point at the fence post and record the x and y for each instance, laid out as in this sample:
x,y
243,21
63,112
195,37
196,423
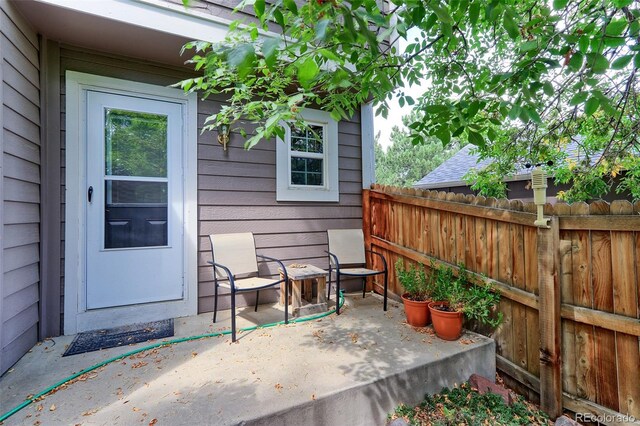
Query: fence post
x,y
366,229
550,331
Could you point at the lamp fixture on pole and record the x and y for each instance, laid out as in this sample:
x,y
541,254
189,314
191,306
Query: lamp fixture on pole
x,y
539,186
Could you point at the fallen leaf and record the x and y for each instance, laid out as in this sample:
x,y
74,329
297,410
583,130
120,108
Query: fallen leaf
x,y
53,407
354,337
135,409
90,412
37,423
313,396
278,387
39,407
139,364
153,422
194,354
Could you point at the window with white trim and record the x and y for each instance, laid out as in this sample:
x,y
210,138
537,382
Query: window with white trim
x,y
307,160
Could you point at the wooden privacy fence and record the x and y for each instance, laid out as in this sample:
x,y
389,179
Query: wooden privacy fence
x,y
570,293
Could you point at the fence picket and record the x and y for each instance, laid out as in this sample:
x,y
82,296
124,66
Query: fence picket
x,y
625,303
601,267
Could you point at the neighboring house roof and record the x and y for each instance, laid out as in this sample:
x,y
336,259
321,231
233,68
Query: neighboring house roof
x,y
451,172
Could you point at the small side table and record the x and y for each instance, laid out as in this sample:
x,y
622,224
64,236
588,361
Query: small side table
x,y
304,275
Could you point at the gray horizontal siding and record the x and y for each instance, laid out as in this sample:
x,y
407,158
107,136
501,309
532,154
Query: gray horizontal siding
x,y
237,189
20,98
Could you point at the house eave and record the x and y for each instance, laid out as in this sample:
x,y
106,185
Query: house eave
x,y
146,29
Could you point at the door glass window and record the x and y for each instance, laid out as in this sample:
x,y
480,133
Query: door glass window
x,y
136,143
136,183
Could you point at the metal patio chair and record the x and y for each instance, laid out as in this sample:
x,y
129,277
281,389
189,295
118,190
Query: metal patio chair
x,y
346,248
235,255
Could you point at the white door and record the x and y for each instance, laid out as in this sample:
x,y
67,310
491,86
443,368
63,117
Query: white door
x,y
134,195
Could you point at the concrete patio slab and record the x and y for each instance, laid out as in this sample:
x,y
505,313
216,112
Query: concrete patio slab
x,y
348,369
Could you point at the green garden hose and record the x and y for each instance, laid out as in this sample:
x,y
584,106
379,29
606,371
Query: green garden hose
x,y
51,388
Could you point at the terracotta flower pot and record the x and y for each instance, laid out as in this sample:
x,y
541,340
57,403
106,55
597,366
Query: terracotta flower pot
x,y
448,325
417,311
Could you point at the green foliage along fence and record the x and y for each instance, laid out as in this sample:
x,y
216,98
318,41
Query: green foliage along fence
x,y
570,294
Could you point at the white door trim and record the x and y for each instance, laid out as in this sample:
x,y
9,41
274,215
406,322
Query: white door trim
x,y
76,317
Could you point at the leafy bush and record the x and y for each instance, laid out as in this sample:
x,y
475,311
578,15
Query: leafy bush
x,y
414,281
466,406
476,301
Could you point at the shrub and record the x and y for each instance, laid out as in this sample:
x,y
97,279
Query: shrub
x,y
414,281
476,301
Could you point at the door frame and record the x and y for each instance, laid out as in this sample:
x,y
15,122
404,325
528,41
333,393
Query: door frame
x,y
76,316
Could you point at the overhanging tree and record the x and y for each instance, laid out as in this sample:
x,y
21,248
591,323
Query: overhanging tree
x,y
517,78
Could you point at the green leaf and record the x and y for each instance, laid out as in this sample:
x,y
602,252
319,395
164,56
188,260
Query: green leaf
x,y
583,43
291,5
269,49
578,98
598,62
494,11
475,138
321,29
615,28
473,109
279,17
515,111
614,41
547,88
560,4
329,55
444,135
524,115
308,70
258,6
242,57
510,25
533,114
431,21
575,63
591,106
474,12
621,62
442,12
636,61
529,45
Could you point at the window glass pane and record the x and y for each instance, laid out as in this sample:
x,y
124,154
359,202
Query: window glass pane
x,y
314,179
298,164
298,144
298,178
308,139
135,143
314,165
306,171
135,214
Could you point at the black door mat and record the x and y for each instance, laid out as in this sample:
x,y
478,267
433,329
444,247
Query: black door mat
x,y
119,336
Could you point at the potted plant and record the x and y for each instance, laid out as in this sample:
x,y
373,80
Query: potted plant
x,y
457,298
416,297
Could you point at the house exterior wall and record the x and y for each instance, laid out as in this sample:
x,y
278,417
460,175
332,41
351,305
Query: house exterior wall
x,y
237,189
20,187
